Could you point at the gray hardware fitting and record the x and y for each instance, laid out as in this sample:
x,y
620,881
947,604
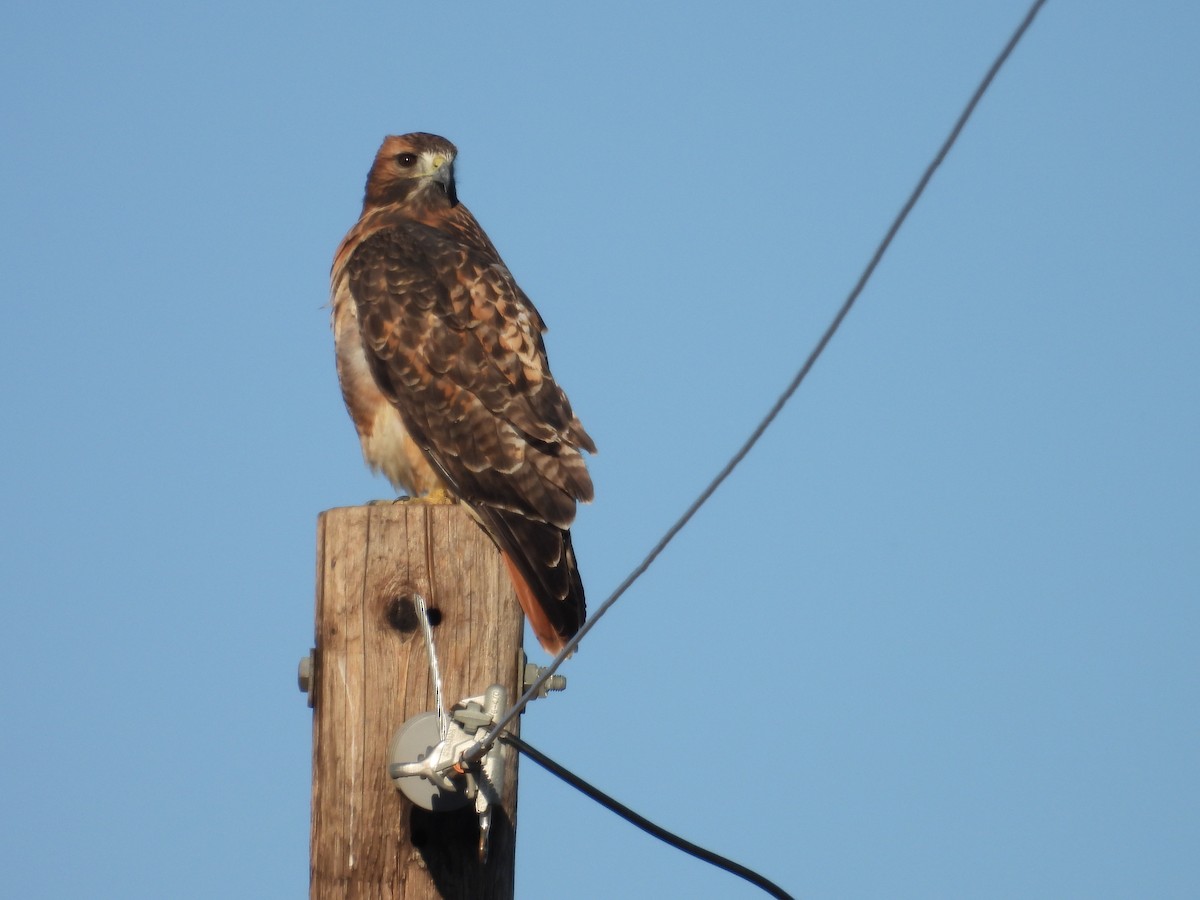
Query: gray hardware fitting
x,y
432,782
304,675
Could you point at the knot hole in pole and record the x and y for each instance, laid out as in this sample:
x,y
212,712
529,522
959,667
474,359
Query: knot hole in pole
x,y
401,613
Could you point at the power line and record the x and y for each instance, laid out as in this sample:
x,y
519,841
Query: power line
x,y
643,823
476,752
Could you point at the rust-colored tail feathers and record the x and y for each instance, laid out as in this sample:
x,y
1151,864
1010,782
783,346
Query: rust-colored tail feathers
x,y
541,561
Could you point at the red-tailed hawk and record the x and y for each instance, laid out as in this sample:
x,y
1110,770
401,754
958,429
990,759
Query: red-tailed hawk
x,y
443,369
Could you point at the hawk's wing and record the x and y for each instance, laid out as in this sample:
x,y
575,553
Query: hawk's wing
x,y
457,348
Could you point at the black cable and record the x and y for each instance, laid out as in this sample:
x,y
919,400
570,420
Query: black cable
x,y
641,822
476,752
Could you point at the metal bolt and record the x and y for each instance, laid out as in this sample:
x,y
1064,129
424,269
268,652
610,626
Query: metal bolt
x,y
554,683
304,675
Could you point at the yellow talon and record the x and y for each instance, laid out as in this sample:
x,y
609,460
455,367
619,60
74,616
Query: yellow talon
x,y
438,496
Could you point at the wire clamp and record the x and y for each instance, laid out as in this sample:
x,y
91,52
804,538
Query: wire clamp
x,y
426,767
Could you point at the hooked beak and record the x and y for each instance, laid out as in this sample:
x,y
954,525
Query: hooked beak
x,y
443,175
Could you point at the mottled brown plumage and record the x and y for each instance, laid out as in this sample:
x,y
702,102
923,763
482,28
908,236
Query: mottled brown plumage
x,y
443,369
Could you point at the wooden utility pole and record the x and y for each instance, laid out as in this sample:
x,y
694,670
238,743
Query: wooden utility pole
x,y
370,673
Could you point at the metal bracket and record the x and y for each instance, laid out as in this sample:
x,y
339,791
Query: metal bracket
x,y
425,767
420,763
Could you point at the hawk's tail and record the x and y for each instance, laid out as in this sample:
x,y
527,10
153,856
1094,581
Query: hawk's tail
x,y
541,560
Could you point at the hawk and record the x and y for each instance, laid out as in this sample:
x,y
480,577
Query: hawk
x,y
444,372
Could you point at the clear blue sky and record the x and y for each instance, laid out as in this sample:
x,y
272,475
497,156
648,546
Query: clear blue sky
x,y
936,638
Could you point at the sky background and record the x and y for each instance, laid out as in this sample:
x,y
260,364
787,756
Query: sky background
x,y
935,638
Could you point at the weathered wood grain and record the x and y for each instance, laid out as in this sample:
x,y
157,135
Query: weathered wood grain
x,y
371,674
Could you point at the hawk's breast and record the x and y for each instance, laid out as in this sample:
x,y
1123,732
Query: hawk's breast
x,y
386,444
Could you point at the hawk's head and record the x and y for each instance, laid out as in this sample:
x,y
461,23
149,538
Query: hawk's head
x,y
412,168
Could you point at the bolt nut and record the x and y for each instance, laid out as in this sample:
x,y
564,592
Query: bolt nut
x,y
304,676
553,683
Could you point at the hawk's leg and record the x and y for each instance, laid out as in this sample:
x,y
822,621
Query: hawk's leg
x,y
438,496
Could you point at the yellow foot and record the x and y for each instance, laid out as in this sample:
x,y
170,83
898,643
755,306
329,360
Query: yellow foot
x,y
439,497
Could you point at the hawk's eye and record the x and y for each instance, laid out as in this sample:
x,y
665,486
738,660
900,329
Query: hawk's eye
x,y
406,160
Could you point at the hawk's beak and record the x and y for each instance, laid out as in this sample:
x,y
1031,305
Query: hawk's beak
x,y
443,174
